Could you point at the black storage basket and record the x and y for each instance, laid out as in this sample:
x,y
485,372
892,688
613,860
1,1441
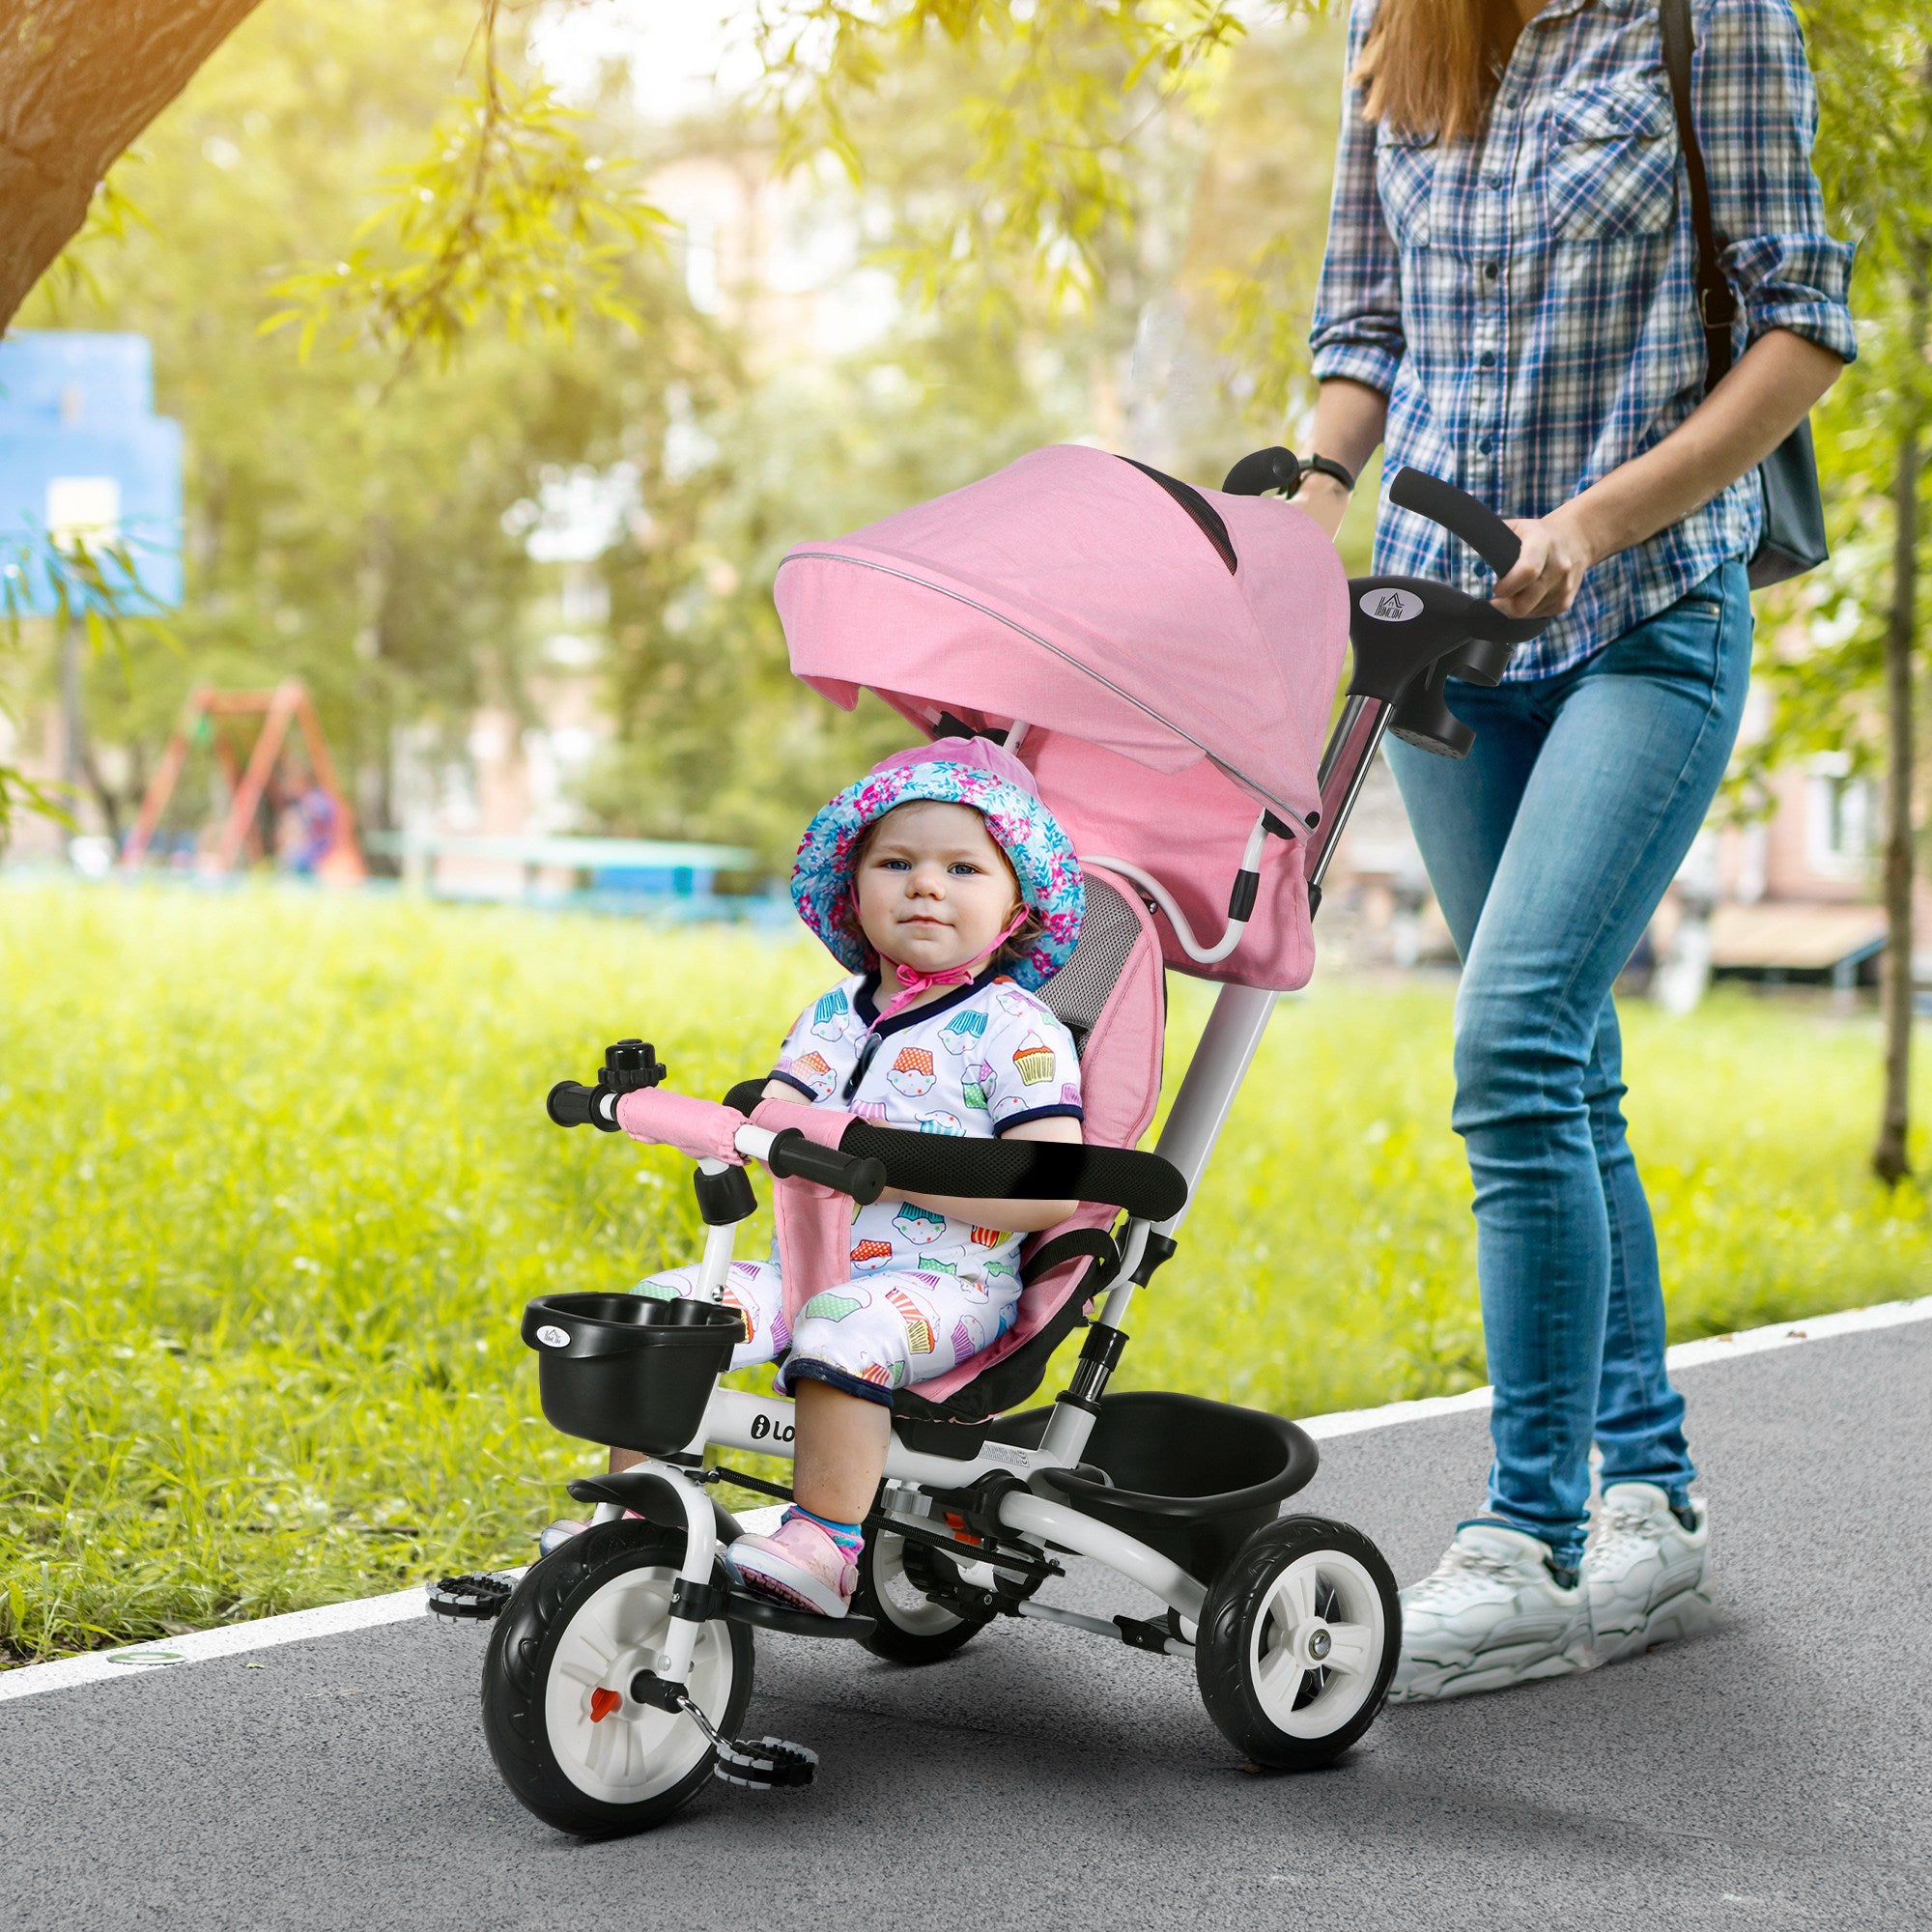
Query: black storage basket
x,y
629,1369
1191,1478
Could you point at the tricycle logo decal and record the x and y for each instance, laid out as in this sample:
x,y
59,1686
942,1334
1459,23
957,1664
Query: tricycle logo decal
x,y
1390,605
554,1337
762,1426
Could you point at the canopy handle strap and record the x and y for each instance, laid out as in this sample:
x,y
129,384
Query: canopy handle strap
x,y
1241,899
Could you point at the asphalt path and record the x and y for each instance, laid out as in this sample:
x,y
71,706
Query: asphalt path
x,y
1778,1772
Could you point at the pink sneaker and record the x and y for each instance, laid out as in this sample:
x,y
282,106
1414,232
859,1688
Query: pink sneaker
x,y
798,1564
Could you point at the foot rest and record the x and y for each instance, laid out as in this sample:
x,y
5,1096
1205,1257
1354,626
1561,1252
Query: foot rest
x,y
742,1608
766,1764
478,1594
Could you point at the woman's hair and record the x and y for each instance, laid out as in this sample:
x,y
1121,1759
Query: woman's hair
x,y
1430,67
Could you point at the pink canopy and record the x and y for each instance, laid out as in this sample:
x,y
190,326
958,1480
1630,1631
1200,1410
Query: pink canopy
x,y
1174,654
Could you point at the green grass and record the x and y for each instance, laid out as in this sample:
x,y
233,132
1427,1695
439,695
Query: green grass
x,y
277,1184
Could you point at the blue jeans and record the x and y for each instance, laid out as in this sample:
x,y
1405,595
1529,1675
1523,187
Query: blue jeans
x,y
1550,846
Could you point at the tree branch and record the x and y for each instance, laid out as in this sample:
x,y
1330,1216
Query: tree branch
x,y
79,79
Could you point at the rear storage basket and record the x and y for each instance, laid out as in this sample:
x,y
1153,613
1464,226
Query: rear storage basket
x,y
629,1369
1191,1478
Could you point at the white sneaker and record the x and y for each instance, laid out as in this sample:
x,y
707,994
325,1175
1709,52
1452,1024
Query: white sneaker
x,y
1645,1580
1489,1615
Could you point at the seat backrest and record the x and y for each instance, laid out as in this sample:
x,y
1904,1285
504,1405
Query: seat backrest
x,y
1080,991
1112,997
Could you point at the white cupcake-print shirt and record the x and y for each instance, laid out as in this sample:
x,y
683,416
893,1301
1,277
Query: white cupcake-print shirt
x,y
981,1059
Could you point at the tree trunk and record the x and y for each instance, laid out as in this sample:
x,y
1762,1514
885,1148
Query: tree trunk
x,y
79,82
1892,1156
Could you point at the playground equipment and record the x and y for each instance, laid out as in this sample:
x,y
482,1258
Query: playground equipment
x,y
282,768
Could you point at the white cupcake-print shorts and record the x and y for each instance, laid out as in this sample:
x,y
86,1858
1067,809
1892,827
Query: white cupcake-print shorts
x,y
887,1330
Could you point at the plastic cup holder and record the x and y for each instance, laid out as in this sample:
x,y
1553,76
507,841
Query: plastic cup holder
x,y
629,1369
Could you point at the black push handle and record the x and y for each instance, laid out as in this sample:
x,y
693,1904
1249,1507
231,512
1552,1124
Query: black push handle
x,y
1263,470
793,1157
572,1104
1460,514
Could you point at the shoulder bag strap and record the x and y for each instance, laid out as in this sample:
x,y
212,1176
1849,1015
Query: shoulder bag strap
x,y
1717,302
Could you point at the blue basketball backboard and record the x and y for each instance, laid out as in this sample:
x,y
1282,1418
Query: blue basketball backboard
x,y
83,454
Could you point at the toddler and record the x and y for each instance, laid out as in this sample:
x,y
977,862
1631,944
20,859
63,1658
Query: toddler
x,y
952,892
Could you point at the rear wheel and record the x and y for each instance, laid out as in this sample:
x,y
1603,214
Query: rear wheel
x,y
895,1578
570,1740
1298,1642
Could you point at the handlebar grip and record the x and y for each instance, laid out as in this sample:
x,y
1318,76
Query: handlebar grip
x,y
794,1157
1459,513
570,1104
1266,469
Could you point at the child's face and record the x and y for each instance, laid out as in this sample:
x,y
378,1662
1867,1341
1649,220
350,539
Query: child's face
x,y
934,891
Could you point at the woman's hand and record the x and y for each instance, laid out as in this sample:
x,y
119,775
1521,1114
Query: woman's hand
x,y
1546,577
1326,501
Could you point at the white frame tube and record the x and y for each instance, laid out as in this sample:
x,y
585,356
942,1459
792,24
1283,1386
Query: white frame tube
x,y
701,1553
720,1242
1062,1523
766,1426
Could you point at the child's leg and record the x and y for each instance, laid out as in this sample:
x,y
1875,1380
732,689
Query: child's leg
x,y
753,1288
840,1451
855,1345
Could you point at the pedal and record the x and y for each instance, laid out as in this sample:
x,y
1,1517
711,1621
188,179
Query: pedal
x,y
765,1764
478,1594
761,1764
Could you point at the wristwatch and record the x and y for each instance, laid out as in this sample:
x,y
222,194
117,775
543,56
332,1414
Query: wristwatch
x,y
1326,466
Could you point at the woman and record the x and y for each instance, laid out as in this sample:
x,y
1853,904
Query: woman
x,y
1507,302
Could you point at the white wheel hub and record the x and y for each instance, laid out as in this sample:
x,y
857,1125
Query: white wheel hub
x,y
900,1598
1317,1644
623,1752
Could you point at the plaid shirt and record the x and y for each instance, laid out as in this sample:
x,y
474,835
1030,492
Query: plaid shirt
x,y
1524,298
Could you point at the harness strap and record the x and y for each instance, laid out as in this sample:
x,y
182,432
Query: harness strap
x,y
1071,1247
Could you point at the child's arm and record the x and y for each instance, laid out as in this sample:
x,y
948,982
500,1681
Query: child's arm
x,y
1014,1218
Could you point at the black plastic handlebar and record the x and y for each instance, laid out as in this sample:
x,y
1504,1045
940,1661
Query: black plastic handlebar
x,y
1460,514
1263,470
794,1157
572,1104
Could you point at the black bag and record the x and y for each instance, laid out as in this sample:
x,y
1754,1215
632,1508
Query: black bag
x,y
1793,539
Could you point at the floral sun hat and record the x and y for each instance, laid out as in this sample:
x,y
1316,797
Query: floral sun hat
x,y
975,771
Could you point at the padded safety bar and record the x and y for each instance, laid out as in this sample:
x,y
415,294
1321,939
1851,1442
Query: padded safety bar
x,y
1144,1185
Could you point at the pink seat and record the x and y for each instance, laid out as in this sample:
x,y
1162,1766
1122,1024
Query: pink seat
x,y
1112,996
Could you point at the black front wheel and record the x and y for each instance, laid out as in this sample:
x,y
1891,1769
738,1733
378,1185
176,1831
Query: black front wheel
x,y
570,1740
1299,1641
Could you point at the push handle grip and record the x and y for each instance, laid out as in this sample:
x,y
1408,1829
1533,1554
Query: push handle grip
x,y
572,1104
1460,514
793,1157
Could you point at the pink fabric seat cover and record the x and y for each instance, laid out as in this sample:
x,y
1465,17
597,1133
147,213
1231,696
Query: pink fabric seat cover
x,y
1119,1088
1168,699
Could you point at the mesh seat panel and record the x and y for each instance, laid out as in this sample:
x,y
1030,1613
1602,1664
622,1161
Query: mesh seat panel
x,y
1079,992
